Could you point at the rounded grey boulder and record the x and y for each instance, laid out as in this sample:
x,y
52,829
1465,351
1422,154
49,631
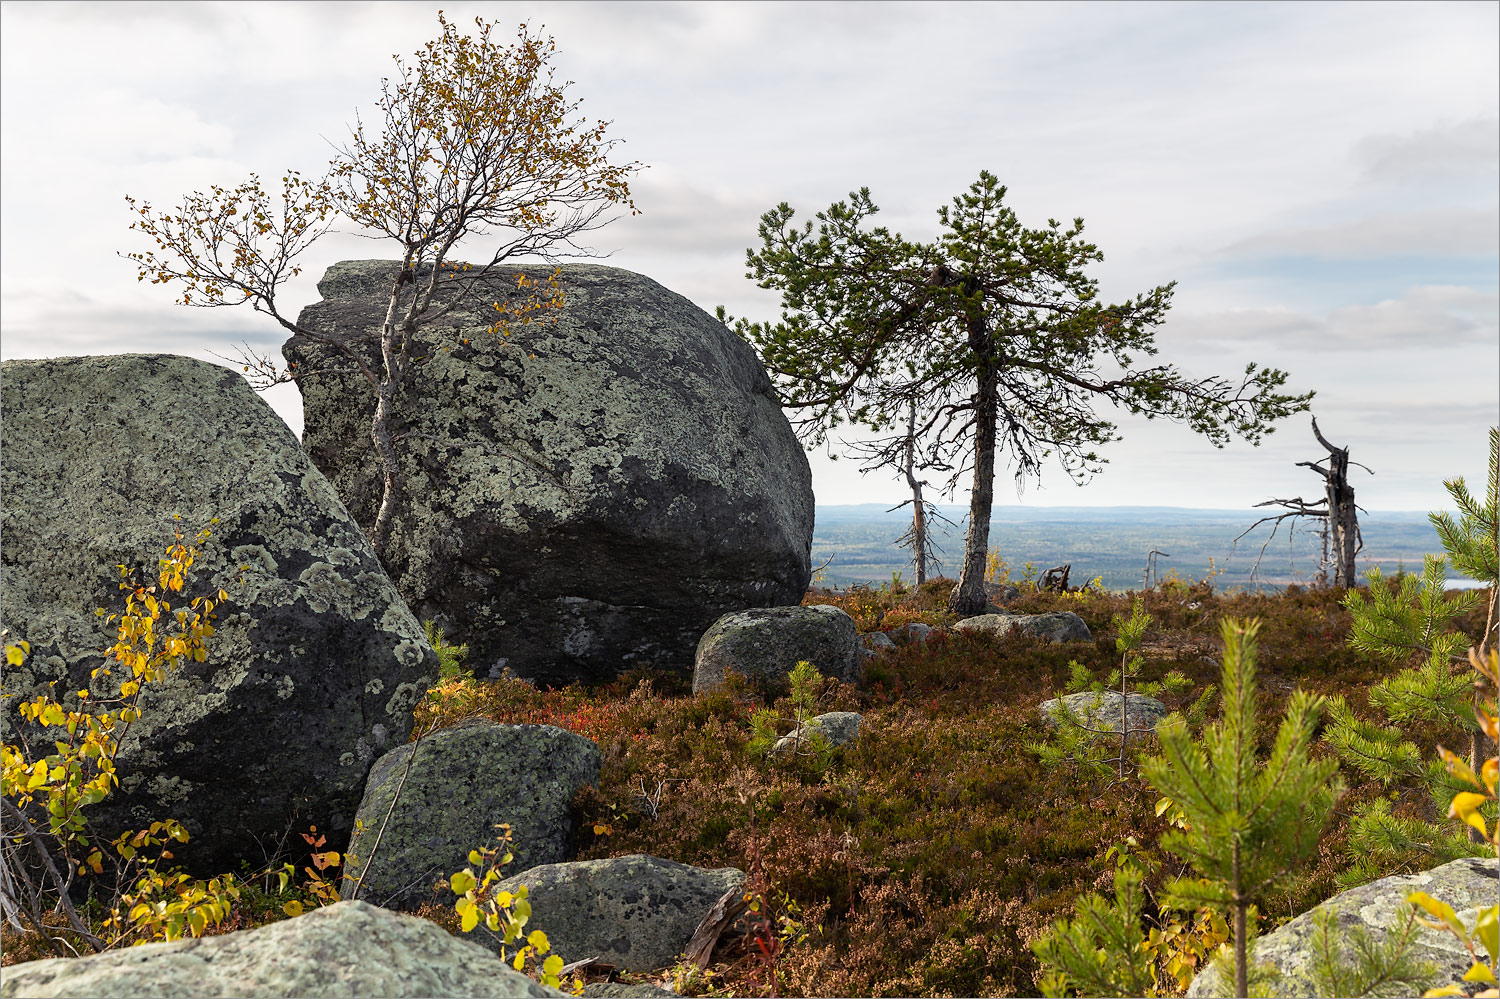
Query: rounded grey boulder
x,y
591,491
837,727
1101,710
463,782
315,663
635,912
346,949
764,644
1466,885
1058,626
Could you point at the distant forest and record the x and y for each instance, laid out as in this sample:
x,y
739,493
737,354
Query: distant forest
x,y
1112,543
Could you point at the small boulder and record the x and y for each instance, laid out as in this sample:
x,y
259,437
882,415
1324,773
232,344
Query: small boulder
x,y
1101,710
1002,593
914,631
636,912
1466,884
837,727
875,643
763,644
463,782
1058,626
346,949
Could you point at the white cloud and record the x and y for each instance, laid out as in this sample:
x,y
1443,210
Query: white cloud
x,y
1426,317
1463,149
1440,231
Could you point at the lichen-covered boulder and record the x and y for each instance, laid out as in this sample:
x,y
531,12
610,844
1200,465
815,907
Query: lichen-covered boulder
x,y
591,491
1380,907
346,949
316,662
838,728
1101,710
635,912
764,644
462,783
1058,626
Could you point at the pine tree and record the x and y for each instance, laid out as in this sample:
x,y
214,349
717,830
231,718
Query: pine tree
x,y
1411,621
1248,823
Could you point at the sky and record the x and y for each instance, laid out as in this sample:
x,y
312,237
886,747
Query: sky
x,y
1322,181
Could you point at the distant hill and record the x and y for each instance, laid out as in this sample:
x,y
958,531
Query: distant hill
x,y
1112,542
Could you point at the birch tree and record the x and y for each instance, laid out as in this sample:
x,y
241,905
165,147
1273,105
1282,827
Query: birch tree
x,y
476,138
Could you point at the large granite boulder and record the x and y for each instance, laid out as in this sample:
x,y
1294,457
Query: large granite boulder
x,y
764,644
588,494
347,949
1378,908
636,912
316,662
1058,626
462,783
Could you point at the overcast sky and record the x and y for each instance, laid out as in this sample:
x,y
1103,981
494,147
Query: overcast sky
x,y
1322,182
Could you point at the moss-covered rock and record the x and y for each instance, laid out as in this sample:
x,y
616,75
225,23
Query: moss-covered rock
x,y
588,494
463,782
764,644
316,662
636,912
347,949
1466,885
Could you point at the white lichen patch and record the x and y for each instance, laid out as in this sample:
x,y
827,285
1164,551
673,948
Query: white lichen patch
x,y
325,588
408,653
347,760
375,686
406,696
170,790
285,686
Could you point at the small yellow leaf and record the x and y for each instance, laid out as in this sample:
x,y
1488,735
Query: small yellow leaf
x,y
292,908
538,939
1479,973
1466,807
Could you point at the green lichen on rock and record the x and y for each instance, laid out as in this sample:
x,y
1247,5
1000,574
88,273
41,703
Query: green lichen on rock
x,y
636,912
764,644
98,454
347,949
463,782
592,492
1377,908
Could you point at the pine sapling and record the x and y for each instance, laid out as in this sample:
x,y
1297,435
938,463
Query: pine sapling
x,y
1248,822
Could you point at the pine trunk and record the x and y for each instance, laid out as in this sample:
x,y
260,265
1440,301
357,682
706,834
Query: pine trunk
x,y
968,596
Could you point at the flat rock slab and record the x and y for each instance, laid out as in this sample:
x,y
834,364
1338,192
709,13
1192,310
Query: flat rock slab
x,y
1466,884
1058,626
592,492
620,990
346,949
463,782
635,912
316,661
1101,710
764,644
